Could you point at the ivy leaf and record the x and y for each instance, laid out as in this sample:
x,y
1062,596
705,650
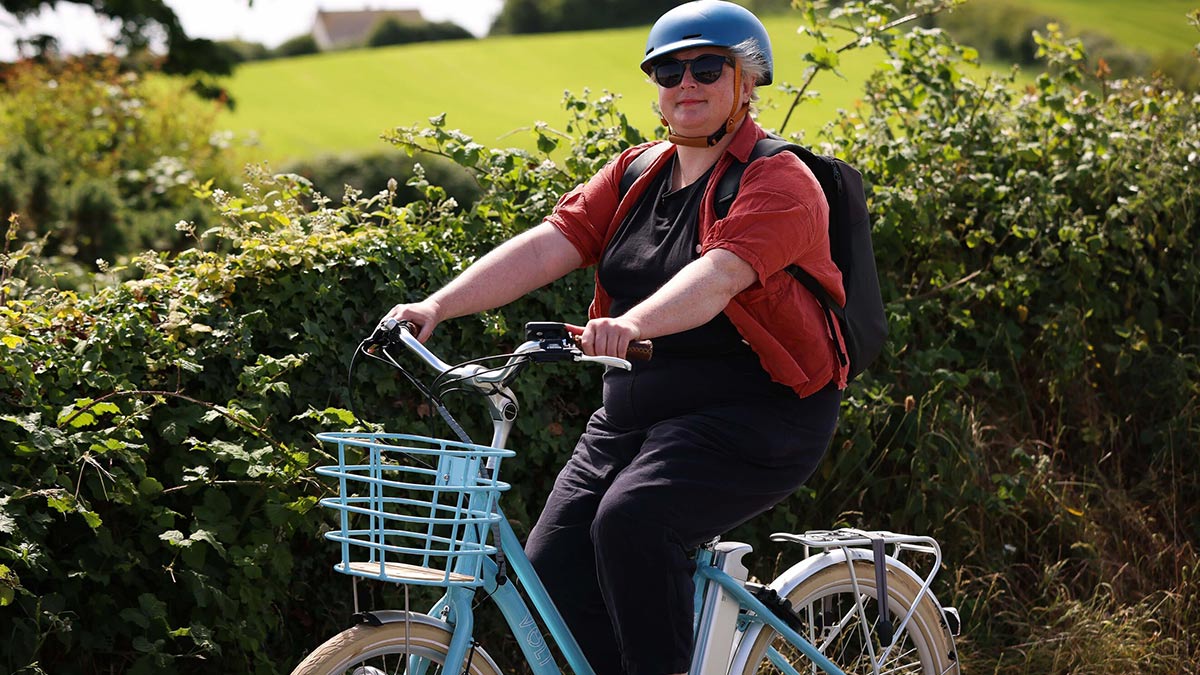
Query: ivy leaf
x,y
30,422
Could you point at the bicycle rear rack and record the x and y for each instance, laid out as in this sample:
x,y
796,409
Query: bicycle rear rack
x,y
877,542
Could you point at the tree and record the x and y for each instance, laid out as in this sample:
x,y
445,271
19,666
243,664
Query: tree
x,y
142,21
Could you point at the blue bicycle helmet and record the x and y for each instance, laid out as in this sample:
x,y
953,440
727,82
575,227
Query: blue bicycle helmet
x,y
707,23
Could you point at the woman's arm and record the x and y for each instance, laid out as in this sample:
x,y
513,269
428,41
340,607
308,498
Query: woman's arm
x,y
695,295
524,263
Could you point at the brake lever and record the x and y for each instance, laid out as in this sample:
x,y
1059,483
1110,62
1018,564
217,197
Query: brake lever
x,y
605,360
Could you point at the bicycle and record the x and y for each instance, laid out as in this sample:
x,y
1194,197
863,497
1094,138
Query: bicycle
x,y
418,510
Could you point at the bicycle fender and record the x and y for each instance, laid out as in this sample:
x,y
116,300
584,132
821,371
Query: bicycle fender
x,y
399,616
792,577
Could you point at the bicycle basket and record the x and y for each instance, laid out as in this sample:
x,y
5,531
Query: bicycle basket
x,y
412,509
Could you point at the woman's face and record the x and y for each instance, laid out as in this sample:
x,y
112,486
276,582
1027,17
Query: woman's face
x,y
696,109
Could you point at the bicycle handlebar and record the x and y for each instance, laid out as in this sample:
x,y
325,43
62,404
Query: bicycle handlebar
x,y
548,342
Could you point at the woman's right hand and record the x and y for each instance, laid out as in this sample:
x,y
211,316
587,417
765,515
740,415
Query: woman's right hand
x,y
426,315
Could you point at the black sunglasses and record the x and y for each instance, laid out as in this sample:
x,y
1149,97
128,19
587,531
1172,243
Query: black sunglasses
x,y
706,69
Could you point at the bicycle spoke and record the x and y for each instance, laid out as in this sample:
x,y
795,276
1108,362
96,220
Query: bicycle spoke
x,y
839,615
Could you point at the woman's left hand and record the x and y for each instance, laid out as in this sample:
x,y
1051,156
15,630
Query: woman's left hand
x,y
609,337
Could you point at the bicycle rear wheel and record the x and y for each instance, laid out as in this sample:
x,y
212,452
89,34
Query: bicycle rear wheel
x,y
844,630
399,647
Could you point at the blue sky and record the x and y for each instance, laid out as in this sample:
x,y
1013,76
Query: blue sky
x,y
267,21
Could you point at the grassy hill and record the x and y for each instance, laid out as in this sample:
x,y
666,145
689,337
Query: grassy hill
x,y
494,88
490,88
1154,26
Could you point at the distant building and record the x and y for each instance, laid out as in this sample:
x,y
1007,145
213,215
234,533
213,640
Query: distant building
x,y
334,30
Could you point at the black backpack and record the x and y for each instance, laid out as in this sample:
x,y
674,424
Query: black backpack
x,y
862,320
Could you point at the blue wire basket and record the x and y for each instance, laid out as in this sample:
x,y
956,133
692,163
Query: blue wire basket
x,y
412,509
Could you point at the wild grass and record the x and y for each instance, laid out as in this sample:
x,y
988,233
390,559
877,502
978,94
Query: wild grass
x,y
1087,574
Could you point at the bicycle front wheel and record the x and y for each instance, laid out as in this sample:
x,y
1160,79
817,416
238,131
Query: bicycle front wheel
x,y
399,647
842,624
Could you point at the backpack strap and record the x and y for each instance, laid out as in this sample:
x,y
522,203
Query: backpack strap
x,y
640,165
727,187
830,178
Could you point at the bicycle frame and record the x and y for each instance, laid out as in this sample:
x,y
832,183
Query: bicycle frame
x,y
711,581
456,606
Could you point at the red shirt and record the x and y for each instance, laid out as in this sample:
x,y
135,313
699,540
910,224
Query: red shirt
x,y
780,217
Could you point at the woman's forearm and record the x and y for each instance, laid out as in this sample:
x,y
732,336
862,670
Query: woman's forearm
x,y
695,295
692,297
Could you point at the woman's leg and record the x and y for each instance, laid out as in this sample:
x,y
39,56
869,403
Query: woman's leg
x,y
697,476
560,544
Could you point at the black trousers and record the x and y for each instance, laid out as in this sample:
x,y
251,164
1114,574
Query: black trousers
x,y
682,451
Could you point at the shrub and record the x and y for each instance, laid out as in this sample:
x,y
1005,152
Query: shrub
x,y
297,46
86,146
370,174
241,51
393,31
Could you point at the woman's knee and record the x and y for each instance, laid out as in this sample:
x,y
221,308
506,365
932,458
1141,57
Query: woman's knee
x,y
618,529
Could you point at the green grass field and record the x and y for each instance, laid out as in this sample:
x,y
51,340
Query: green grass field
x,y
491,88
495,88
1150,25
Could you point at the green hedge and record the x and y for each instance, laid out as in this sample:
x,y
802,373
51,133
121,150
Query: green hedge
x,y
1036,410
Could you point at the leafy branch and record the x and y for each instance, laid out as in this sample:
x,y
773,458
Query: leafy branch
x,y
225,412
872,28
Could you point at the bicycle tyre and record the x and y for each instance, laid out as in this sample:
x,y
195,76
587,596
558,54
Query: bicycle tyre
x,y
391,643
924,647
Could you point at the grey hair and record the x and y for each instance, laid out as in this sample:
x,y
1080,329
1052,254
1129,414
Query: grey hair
x,y
753,61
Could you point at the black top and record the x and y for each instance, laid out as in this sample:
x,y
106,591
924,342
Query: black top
x,y
657,239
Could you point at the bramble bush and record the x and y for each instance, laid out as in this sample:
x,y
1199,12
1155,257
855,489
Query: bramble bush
x,y
1035,410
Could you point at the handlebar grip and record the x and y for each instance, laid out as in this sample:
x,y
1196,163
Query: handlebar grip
x,y
638,350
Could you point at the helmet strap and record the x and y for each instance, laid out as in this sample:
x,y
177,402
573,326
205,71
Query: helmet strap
x,y
735,116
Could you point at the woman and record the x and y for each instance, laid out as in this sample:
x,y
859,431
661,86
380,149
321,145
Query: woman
x,y
738,405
